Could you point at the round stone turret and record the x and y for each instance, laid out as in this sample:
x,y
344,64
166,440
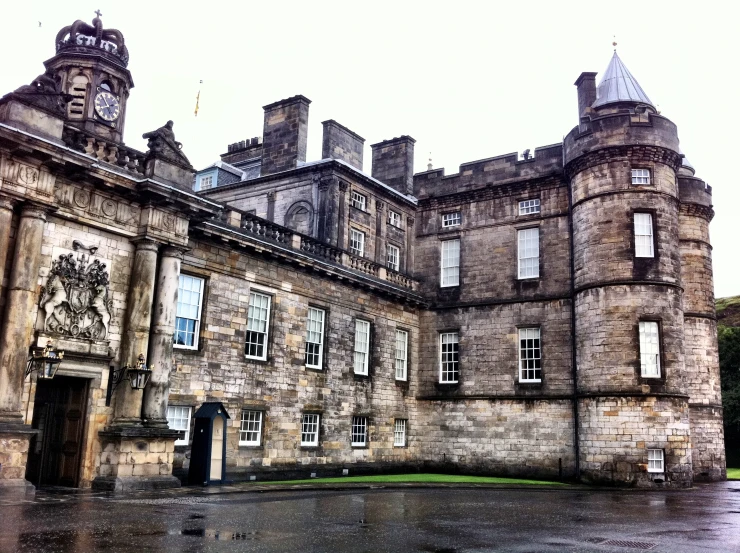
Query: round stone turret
x,y
633,406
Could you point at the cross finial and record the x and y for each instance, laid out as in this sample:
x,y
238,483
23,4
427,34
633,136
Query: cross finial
x,y
97,12
614,43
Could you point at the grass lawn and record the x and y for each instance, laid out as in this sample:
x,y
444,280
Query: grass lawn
x,y
433,478
733,474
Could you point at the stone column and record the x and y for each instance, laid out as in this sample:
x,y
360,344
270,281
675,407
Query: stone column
x,y
160,346
6,218
16,336
380,237
342,215
137,322
20,310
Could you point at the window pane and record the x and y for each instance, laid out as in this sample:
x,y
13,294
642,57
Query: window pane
x,y
655,460
178,418
356,242
640,176
362,346
448,357
402,338
649,349
257,319
529,253
358,200
359,431
250,431
187,321
310,430
394,218
644,235
527,207
314,337
450,262
451,219
393,257
530,355
399,433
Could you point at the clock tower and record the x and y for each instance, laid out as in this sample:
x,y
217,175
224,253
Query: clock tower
x,y
91,65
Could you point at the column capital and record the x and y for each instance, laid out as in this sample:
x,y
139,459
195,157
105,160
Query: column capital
x,y
8,203
34,210
174,251
146,244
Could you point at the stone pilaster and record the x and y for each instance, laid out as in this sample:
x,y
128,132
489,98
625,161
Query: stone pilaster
x,y
380,234
16,336
160,343
137,323
410,241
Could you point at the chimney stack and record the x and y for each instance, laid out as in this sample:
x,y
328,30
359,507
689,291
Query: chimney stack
x,y
586,84
341,143
393,163
285,134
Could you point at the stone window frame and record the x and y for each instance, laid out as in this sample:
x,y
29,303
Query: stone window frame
x,y
537,207
186,440
357,252
405,379
653,229
319,416
364,444
324,337
534,381
442,268
519,257
660,470
368,352
202,342
405,443
358,200
388,258
263,420
638,177
268,330
201,310
440,362
660,379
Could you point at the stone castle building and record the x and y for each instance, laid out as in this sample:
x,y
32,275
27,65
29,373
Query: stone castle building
x,y
548,315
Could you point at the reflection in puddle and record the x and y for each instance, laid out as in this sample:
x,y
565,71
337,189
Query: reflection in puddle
x,y
220,535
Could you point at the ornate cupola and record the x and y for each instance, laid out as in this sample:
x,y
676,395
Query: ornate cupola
x,y
90,63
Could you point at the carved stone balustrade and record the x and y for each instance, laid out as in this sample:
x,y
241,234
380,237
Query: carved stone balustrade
x,y
364,265
115,154
265,229
319,249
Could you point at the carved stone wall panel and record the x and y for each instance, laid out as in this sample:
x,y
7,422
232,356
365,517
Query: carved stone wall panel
x,y
165,225
92,204
75,300
25,178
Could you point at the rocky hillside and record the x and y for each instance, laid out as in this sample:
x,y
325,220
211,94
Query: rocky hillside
x,y
728,311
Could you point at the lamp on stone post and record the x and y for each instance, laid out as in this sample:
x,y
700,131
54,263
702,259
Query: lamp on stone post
x,y
45,361
138,375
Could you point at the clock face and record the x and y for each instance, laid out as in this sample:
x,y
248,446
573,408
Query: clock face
x,y
107,106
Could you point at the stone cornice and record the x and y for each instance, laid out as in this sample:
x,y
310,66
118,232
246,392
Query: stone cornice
x,y
633,152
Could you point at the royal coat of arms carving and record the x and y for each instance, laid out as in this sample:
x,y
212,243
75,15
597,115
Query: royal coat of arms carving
x,y
75,299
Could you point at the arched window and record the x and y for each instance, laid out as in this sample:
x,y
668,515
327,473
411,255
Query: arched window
x,y
105,85
300,218
78,89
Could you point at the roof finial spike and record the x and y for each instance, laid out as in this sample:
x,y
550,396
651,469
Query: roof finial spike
x,y
429,165
614,43
97,12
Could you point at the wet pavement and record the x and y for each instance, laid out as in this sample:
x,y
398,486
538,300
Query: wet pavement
x,y
404,518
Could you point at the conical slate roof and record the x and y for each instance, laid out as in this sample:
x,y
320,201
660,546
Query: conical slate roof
x,y
618,85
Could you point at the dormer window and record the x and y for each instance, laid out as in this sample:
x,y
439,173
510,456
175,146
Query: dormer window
x,y
206,182
358,200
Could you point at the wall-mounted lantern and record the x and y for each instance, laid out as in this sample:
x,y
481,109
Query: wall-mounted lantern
x,y
138,375
45,361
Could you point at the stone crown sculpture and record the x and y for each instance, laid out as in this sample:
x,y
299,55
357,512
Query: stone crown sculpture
x,y
81,36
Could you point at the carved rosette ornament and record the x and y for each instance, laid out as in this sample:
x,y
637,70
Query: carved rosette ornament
x,y
75,301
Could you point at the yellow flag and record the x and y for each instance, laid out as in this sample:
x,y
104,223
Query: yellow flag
x,y
197,101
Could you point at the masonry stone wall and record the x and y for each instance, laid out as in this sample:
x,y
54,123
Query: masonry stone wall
x,y
283,387
507,437
707,443
616,432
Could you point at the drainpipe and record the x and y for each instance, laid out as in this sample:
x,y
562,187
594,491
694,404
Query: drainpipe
x,y
574,365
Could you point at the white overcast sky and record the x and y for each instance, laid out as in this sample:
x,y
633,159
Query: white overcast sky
x,y
468,80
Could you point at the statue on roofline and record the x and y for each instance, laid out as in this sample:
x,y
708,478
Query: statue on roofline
x,y
162,143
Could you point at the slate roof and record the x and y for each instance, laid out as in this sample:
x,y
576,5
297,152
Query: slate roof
x,y
618,85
